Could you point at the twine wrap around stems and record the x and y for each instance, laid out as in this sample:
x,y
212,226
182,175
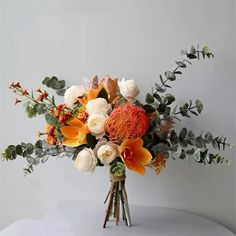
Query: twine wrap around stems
x,y
115,178
117,200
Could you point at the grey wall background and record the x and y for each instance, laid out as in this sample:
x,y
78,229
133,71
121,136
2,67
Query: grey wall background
x,y
131,38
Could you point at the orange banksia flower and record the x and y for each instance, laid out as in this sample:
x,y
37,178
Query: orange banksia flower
x,y
134,155
158,163
126,122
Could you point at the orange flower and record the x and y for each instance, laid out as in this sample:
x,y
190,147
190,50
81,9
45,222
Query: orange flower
x,y
74,132
92,93
134,155
127,121
158,163
51,138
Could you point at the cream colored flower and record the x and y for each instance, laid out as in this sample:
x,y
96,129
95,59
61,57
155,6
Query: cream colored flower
x,y
97,105
96,123
72,94
106,154
128,88
86,160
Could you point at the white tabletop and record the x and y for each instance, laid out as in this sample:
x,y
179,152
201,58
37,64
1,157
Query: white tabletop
x,y
85,219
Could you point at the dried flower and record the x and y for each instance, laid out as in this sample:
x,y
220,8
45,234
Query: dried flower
x,y
17,101
158,163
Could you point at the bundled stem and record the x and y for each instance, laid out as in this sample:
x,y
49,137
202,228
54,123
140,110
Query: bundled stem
x,y
117,202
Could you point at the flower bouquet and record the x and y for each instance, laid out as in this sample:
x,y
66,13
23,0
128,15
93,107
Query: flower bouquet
x,y
101,123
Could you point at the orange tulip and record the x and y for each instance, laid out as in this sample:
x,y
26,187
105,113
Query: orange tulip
x,y
134,155
74,132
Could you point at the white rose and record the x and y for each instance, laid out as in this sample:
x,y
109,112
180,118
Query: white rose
x,y
96,123
86,160
128,88
72,94
106,154
97,105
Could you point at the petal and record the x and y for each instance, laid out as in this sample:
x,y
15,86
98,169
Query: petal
x,y
135,143
70,132
75,122
72,142
92,94
135,166
82,134
123,145
143,156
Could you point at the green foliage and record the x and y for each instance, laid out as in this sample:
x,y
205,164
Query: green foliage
x,y
193,53
91,140
117,169
51,119
188,108
56,84
37,153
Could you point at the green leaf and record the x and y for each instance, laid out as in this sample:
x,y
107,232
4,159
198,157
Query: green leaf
x,y
193,50
19,150
199,106
30,111
40,108
174,139
38,144
46,80
50,119
61,84
182,155
190,151
161,108
200,142
149,98
191,56
149,108
208,137
61,92
170,75
183,133
91,140
181,64
159,88
157,97
168,99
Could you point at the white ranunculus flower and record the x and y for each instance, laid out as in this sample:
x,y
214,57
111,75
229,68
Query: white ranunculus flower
x,y
97,105
128,88
106,154
96,124
86,160
72,94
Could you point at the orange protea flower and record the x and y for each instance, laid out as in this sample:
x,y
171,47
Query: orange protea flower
x,y
158,163
134,155
74,132
126,122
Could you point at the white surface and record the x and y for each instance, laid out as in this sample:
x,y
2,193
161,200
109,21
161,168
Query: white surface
x,y
85,219
137,39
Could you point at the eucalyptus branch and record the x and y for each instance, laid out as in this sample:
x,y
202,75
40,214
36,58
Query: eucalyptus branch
x,y
171,74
